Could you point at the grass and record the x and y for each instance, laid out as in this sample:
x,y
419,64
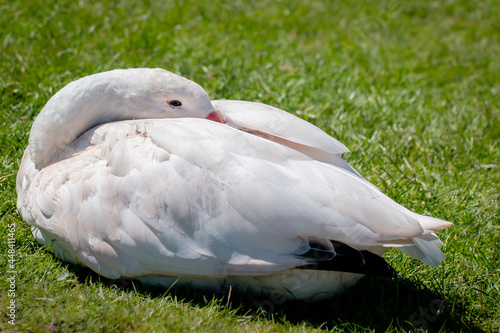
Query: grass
x,y
412,88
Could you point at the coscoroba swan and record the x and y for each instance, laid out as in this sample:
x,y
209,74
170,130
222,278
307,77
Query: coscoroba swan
x,y
137,173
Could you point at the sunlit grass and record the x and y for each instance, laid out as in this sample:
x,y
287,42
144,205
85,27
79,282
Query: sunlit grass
x,y
412,88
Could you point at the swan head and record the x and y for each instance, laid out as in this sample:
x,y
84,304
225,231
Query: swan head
x,y
121,94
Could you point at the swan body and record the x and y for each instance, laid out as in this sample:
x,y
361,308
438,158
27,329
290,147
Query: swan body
x,y
119,177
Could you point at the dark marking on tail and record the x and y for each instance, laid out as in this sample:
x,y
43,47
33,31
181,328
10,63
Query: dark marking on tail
x,y
346,259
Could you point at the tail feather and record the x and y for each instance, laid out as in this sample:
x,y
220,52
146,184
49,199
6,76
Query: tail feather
x,y
432,224
425,251
425,247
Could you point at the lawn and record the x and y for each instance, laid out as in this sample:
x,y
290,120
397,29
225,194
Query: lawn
x,y
410,87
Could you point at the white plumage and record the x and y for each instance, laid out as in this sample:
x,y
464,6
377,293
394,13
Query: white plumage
x,y
119,177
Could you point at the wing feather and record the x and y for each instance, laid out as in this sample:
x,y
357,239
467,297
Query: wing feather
x,y
284,128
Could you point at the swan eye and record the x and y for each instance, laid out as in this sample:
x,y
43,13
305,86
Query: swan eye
x,y
174,103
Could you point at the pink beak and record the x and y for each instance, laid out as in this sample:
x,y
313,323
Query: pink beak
x,y
216,116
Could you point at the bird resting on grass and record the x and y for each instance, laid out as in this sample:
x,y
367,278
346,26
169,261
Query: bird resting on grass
x,y
136,173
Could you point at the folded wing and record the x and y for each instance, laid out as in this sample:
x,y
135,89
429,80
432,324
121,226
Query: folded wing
x,y
284,128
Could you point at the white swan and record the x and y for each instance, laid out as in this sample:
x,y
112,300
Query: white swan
x,y
136,173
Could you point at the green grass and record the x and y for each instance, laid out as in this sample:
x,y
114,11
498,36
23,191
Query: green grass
x,y
412,88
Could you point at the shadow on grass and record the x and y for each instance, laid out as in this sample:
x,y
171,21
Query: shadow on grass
x,y
373,303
